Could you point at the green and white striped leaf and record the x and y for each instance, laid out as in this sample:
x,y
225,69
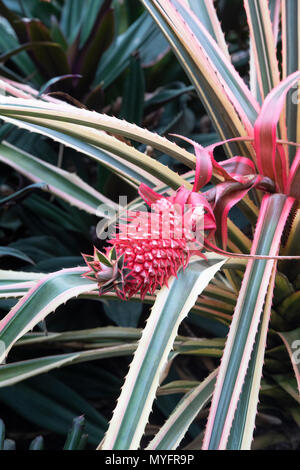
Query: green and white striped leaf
x,y
172,432
124,170
65,185
17,283
177,386
42,299
241,339
102,336
234,111
18,371
58,111
263,42
36,111
211,52
171,307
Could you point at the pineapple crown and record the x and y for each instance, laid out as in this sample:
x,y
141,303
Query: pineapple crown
x,y
107,270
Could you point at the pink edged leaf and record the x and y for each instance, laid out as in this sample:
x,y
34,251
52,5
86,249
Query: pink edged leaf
x,y
274,211
275,7
43,298
232,169
233,85
150,359
263,44
271,159
237,167
291,340
205,10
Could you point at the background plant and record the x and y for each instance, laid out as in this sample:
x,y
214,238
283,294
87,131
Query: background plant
x,y
233,111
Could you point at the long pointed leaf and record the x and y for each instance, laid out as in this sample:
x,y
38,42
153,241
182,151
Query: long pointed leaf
x,y
208,68
291,63
241,433
135,403
60,112
206,12
292,343
106,142
172,432
18,371
61,183
42,299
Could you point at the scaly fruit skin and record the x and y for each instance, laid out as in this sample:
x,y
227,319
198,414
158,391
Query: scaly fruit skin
x,y
148,250
151,262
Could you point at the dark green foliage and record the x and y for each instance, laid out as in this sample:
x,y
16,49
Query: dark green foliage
x,y
76,439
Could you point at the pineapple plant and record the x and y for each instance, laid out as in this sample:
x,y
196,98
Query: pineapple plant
x,y
257,294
